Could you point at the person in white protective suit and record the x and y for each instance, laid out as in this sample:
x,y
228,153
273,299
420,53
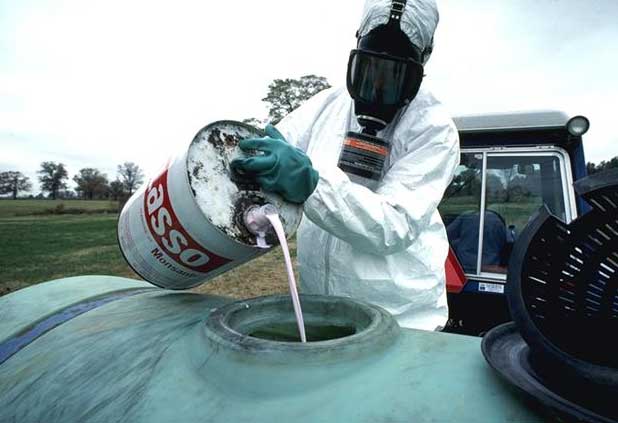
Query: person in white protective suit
x,y
379,156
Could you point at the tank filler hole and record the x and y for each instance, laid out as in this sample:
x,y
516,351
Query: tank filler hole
x,y
288,332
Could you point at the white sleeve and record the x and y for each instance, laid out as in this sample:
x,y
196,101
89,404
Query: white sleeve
x,y
389,220
296,127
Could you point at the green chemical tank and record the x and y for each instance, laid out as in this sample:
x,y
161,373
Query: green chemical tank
x,y
109,349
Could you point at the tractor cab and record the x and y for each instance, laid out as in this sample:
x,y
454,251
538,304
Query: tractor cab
x,y
511,165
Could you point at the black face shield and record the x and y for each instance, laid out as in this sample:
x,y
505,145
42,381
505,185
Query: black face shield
x,y
382,79
385,72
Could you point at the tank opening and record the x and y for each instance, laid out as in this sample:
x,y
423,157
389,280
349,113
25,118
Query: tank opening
x,y
271,319
288,332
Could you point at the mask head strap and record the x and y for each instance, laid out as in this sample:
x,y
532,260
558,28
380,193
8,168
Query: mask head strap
x,y
397,8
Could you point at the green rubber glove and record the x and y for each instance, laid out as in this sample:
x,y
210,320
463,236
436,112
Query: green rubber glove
x,y
282,169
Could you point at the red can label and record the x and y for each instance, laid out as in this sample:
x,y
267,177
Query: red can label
x,y
169,234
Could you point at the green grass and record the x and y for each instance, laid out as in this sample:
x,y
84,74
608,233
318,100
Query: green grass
x,y
39,248
12,208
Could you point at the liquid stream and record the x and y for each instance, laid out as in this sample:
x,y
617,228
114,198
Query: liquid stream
x,y
278,227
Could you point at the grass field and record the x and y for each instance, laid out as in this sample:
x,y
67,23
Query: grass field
x,y
37,248
12,208
513,213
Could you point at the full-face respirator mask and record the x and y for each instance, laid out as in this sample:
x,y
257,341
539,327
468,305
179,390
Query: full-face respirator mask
x,y
384,74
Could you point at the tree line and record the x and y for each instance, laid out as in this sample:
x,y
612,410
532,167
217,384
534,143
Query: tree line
x,y
604,165
91,183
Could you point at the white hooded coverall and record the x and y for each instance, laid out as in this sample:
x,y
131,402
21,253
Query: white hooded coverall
x,y
386,247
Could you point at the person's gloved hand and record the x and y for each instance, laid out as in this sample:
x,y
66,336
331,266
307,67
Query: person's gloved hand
x,y
282,168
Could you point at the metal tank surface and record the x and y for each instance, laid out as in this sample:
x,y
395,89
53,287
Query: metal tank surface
x,y
106,349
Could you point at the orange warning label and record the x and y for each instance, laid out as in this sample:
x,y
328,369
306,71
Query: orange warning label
x,y
363,145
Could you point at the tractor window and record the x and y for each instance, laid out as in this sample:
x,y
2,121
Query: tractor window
x,y
498,192
515,188
460,210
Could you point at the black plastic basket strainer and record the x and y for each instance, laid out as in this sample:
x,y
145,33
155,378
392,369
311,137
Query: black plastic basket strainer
x,y
563,283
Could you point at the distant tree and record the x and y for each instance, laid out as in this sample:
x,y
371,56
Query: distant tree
x,y
91,183
604,165
116,190
67,194
256,123
494,188
285,95
591,168
131,176
14,182
52,177
466,183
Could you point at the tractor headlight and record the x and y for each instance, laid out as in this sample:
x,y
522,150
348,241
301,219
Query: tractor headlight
x,y
578,126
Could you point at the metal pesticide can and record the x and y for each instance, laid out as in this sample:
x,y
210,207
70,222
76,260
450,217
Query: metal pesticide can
x,y
187,225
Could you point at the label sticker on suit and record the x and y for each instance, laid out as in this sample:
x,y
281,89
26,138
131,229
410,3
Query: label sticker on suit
x,y
363,155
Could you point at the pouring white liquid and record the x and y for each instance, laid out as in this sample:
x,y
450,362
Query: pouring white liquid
x,y
278,227
254,222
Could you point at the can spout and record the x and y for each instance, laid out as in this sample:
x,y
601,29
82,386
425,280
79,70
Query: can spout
x,y
257,223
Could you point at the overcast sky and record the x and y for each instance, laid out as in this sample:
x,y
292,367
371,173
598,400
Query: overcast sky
x,y
97,83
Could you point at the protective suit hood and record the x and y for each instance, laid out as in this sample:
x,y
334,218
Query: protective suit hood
x,y
418,21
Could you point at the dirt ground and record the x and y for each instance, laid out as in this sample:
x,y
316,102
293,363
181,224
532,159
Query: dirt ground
x,y
265,275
